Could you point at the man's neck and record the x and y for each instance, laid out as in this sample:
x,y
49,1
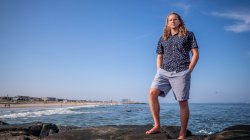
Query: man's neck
x,y
174,31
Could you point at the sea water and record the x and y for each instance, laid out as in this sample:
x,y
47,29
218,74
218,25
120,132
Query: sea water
x,y
204,118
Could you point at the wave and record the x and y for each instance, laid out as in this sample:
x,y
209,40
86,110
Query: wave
x,y
84,106
39,113
205,132
47,112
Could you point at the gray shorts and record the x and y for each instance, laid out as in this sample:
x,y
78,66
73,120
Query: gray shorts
x,y
178,82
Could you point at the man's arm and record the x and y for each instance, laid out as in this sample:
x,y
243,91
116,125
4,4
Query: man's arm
x,y
159,61
195,57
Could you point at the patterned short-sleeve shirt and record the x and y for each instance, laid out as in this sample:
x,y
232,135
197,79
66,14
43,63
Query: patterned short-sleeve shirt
x,y
175,51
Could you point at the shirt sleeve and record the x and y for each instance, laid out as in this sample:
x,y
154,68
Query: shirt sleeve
x,y
193,42
160,49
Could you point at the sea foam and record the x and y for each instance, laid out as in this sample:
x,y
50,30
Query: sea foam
x,y
44,112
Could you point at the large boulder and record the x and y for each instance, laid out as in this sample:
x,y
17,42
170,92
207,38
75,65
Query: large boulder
x,y
3,123
27,130
122,132
236,132
48,131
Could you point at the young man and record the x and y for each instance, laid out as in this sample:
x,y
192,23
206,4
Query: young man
x,y
174,70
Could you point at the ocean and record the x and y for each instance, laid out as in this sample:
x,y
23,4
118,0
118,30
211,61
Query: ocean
x,y
204,118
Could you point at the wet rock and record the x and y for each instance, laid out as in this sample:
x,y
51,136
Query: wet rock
x,y
3,123
238,127
27,130
173,131
135,132
122,132
48,131
237,132
53,129
63,129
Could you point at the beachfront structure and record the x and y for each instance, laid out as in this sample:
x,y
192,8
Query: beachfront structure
x,y
6,98
59,100
65,101
23,98
72,100
36,99
49,98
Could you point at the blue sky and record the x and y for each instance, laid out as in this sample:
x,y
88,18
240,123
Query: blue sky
x,y
105,50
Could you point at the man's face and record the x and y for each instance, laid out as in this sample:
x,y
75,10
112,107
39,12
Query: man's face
x,y
173,21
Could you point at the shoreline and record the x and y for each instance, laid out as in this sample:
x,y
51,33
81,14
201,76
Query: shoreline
x,y
53,104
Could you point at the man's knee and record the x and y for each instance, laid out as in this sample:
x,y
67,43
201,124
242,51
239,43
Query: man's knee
x,y
154,93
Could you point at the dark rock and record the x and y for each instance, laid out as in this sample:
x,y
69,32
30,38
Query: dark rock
x,y
237,132
35,129
18,138
27,130
122,132
134,132
26,138
238,127
45,130
63,129
48,131
3,123
173,131
53,129
231,135
22,129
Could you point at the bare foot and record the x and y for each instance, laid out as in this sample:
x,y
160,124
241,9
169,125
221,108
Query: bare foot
x,y
181,138
182,135
154,130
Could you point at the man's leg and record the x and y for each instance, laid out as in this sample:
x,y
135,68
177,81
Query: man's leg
x,y
155,110
184,116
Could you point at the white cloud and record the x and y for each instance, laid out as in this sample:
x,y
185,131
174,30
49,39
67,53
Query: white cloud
x,y
242,21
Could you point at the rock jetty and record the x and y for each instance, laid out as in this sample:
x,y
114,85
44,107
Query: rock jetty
x,y
27,131
49,131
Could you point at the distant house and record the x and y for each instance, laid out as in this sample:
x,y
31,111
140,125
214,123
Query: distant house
x,y
59,100
65,101
6,98
23,98
36,99
49,99
15,98
72,100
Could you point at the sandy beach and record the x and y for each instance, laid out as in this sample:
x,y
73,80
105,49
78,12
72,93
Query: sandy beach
x,y
53,104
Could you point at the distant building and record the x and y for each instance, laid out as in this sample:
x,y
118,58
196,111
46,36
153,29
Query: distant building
x,y
23,98
36,99
49,99
72,100
59,100
65,101
15,98
6,98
